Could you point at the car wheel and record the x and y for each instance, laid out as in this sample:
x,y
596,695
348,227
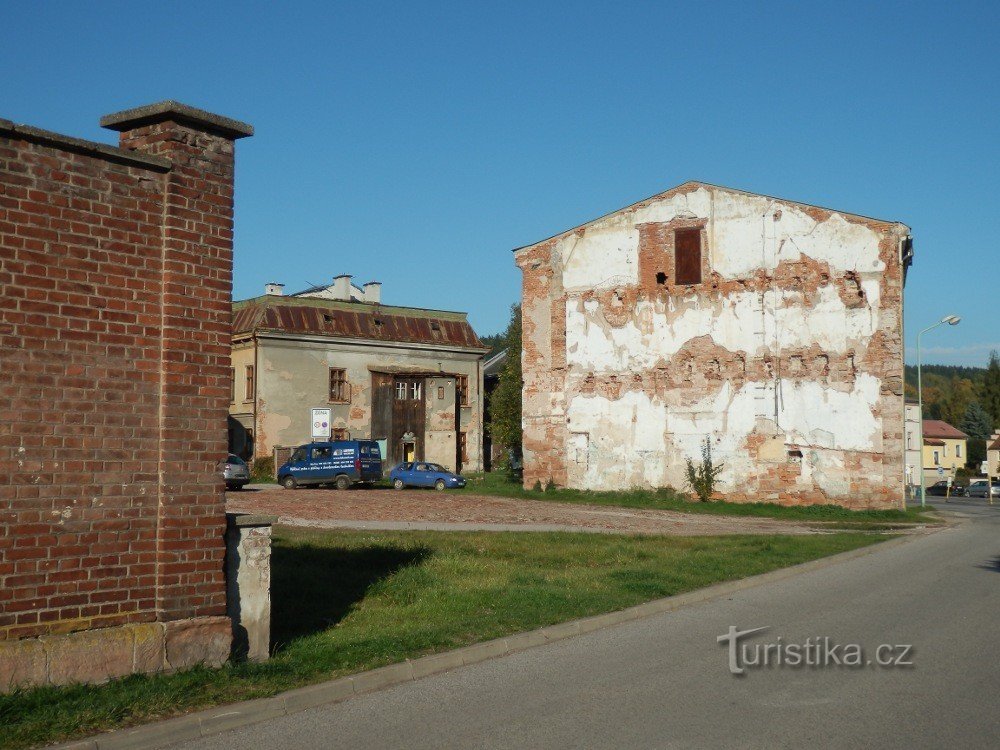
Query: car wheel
x,y
397,484
342,482
439,485
288,483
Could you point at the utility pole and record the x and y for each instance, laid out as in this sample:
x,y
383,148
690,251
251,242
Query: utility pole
x,y
951,320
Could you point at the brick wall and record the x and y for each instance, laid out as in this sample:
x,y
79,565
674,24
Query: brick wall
x,y
115,282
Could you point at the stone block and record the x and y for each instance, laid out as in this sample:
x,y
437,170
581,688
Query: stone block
x,y
21,663
148,654
92,656
200,640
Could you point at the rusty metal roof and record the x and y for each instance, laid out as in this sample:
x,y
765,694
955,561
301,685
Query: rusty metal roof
x,y
311,316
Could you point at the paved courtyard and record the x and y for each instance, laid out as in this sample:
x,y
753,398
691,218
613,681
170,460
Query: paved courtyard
x,y
427,509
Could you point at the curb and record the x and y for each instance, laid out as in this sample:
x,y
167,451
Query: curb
x,y
209,722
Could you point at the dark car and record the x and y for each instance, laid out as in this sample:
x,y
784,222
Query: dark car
x,y
340,463
236,472
941,489
424,474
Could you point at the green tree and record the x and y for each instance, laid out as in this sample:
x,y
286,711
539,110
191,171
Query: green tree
x,y
991,389
978,425
505,403
956,400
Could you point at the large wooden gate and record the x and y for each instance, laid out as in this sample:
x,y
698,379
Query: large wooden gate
x,y
399,415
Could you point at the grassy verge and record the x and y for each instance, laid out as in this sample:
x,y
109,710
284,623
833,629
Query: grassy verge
x,y
349,601
495,483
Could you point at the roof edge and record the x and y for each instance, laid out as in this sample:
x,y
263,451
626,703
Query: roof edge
x,y
699,183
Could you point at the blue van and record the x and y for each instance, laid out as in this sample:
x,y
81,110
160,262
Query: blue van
x,y
341,463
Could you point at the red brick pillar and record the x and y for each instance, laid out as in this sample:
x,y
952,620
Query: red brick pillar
x,y
195,318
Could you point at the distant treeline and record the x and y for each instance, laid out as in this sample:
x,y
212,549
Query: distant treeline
x,y
948,390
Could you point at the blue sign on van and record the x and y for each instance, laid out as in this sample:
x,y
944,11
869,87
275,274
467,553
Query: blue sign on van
x,y
340,463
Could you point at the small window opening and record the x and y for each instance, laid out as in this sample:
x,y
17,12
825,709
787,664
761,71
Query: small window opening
x,y
661,278
687,256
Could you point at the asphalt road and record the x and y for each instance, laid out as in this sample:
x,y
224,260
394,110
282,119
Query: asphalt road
x,y
664,682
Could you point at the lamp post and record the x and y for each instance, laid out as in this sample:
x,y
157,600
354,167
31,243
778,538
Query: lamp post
x,y
951,320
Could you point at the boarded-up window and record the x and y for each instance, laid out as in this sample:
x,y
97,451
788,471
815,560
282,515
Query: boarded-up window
x,y
462,389
463,447
249,392
232,385
339,390
687,256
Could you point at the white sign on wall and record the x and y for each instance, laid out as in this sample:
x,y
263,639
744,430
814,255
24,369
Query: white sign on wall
x,y
320,424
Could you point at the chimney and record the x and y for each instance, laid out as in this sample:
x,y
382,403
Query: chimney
x,y
373,292
274,289
342,287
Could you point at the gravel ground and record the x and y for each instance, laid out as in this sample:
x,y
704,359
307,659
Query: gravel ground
x,y
427,509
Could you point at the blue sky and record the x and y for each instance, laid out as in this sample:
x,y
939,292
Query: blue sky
x,y
418,143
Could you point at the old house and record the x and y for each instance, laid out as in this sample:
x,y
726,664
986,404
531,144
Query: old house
x,y
913,444
408,377
770,328
115,278
945,450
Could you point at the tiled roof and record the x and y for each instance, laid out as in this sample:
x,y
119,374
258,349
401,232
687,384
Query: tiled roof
x,y
933,441
936,428
353,320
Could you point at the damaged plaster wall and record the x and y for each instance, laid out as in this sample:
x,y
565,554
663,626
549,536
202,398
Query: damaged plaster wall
x,y
293,377
787,355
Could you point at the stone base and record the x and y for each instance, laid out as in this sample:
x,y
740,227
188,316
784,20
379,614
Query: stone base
x,y
94,656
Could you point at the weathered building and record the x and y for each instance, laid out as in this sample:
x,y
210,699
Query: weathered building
x,y
407,377
115,282
769,327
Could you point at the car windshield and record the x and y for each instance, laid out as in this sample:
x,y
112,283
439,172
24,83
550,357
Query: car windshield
x,y
236,460
299,455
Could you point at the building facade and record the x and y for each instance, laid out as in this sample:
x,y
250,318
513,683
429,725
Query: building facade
x,y
913,445
115,282
407,377
945,451
770,328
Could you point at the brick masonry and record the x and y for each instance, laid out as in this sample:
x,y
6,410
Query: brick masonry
x,y
115,290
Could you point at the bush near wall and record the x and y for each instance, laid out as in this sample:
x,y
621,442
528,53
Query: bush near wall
x,y
262,469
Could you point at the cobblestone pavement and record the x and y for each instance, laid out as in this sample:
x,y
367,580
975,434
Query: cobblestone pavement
x,y
427,509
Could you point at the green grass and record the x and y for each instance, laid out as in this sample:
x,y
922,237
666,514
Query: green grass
x,y
496,483
350,601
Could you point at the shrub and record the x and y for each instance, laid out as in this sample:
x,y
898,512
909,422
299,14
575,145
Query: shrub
x,y
701,477
262,469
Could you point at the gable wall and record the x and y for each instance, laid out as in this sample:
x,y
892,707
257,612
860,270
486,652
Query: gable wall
x,y
792,343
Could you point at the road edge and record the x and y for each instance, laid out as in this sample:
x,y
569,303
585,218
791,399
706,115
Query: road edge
x,y
212,721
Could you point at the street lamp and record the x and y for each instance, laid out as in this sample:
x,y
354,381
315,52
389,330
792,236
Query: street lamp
x,y
951,320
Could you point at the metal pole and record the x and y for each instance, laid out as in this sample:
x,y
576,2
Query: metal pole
x,y
920,401
950,320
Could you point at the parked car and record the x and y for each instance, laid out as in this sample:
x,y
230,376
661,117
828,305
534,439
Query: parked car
x,y
978,488
941,488
236,472
340,463
423,474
